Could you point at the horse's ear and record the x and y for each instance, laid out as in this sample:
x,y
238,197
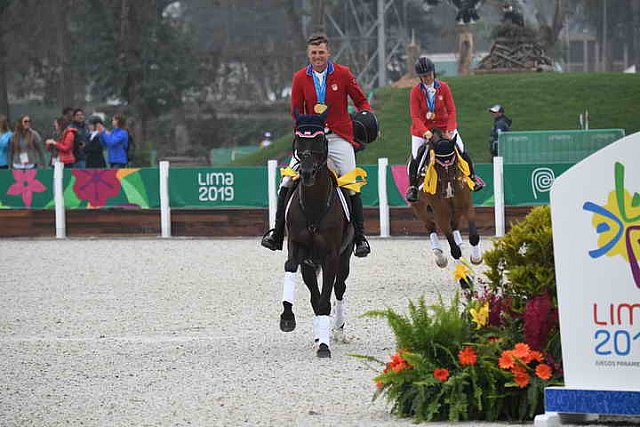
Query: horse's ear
x,y
296,114
455,139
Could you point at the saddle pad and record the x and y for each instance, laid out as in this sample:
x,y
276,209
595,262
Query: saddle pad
x,y
343,202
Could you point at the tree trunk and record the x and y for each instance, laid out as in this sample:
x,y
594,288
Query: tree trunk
x,y
66,88
4,97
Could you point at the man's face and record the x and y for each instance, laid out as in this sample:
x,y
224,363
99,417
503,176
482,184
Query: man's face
x,y
78,117
318,56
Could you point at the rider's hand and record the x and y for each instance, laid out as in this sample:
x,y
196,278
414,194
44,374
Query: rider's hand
x,y
427,135
447,134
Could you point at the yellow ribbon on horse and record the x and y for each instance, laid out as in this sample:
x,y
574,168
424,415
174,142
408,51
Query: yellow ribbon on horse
x,y
431,176
353,180
288,171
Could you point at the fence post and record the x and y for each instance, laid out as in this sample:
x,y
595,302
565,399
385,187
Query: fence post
x,y
58,197
498,195
165,208
382,196
272,166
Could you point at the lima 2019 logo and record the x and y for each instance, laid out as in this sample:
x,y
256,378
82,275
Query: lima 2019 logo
x,y
619,217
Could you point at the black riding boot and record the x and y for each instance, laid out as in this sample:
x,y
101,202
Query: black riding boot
x,y
479,183
273,238
412,191
362,247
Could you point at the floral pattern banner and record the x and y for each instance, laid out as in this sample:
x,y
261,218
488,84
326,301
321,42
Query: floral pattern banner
x,y
83,188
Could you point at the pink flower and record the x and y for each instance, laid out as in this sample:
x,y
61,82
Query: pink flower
x,y
25,184
540,318
96,185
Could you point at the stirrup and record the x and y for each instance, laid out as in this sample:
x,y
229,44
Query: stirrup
x,y
271,241
412,194
362,248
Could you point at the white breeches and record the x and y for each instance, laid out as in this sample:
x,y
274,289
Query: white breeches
x,y
342,158
417,142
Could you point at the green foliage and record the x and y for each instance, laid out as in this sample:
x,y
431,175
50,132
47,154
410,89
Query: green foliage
x,y
521,263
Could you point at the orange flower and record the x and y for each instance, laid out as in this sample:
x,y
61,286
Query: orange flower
x,y
521,351
522,379
467,356
506,360
379,384
441,374
397,363
543,371
537,356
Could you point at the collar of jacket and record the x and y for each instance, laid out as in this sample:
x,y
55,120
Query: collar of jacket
x,y
436,84
329,68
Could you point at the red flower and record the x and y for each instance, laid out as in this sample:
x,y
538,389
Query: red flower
x,y
506,360
378,384
25,184
543,371
540,318
521,378
522,351
96,185
398,363
441,374
467,356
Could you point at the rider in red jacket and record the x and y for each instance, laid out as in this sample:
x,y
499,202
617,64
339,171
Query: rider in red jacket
x,y
319,86
431,106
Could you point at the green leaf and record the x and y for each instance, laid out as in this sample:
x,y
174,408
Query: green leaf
x,y
134,190
71,201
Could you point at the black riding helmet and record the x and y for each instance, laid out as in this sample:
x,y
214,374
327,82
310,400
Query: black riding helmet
x,y
425,66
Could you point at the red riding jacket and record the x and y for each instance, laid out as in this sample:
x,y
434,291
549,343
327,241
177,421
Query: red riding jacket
x,y
340,84
445,109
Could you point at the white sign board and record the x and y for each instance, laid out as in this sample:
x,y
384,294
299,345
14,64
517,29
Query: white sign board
x,y
595,211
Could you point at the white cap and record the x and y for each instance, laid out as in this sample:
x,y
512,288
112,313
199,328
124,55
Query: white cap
x,y
267,134
496,108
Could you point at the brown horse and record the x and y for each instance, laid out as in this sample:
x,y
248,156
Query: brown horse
x,y
320,236
446,199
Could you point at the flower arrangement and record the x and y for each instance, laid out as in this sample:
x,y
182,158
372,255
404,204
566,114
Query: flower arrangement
x,y
489,353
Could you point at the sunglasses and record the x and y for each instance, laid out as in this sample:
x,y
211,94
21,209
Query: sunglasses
x,y
26,121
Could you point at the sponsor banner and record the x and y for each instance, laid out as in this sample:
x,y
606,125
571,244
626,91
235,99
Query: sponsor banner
x,y
83,188
529,184
595,209
218,187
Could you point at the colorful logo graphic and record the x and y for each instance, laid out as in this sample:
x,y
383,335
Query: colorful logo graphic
x,y
619,217
542,180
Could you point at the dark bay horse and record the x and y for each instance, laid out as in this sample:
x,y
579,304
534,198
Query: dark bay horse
x,y
447,200
320,236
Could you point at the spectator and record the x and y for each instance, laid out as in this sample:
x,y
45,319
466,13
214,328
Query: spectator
x,y
82,138
25,149
116,141
501,123
266,141
5,139
67,113
93,150
65,144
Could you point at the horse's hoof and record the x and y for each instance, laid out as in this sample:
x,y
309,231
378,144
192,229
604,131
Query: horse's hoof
x,y
323,351
287,324
476,261
340,336
441,260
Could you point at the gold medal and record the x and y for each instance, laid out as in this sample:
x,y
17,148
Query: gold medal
x,y
320,108
431,115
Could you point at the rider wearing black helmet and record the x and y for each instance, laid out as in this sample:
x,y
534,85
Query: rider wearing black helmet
x,y
431,106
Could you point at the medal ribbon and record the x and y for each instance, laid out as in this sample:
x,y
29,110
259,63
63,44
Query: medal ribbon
x,y
321,87
430,96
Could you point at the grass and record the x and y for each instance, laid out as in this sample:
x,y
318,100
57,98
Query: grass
x,y
535,101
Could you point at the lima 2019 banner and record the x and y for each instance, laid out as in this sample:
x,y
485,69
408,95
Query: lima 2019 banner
x,y
595,208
